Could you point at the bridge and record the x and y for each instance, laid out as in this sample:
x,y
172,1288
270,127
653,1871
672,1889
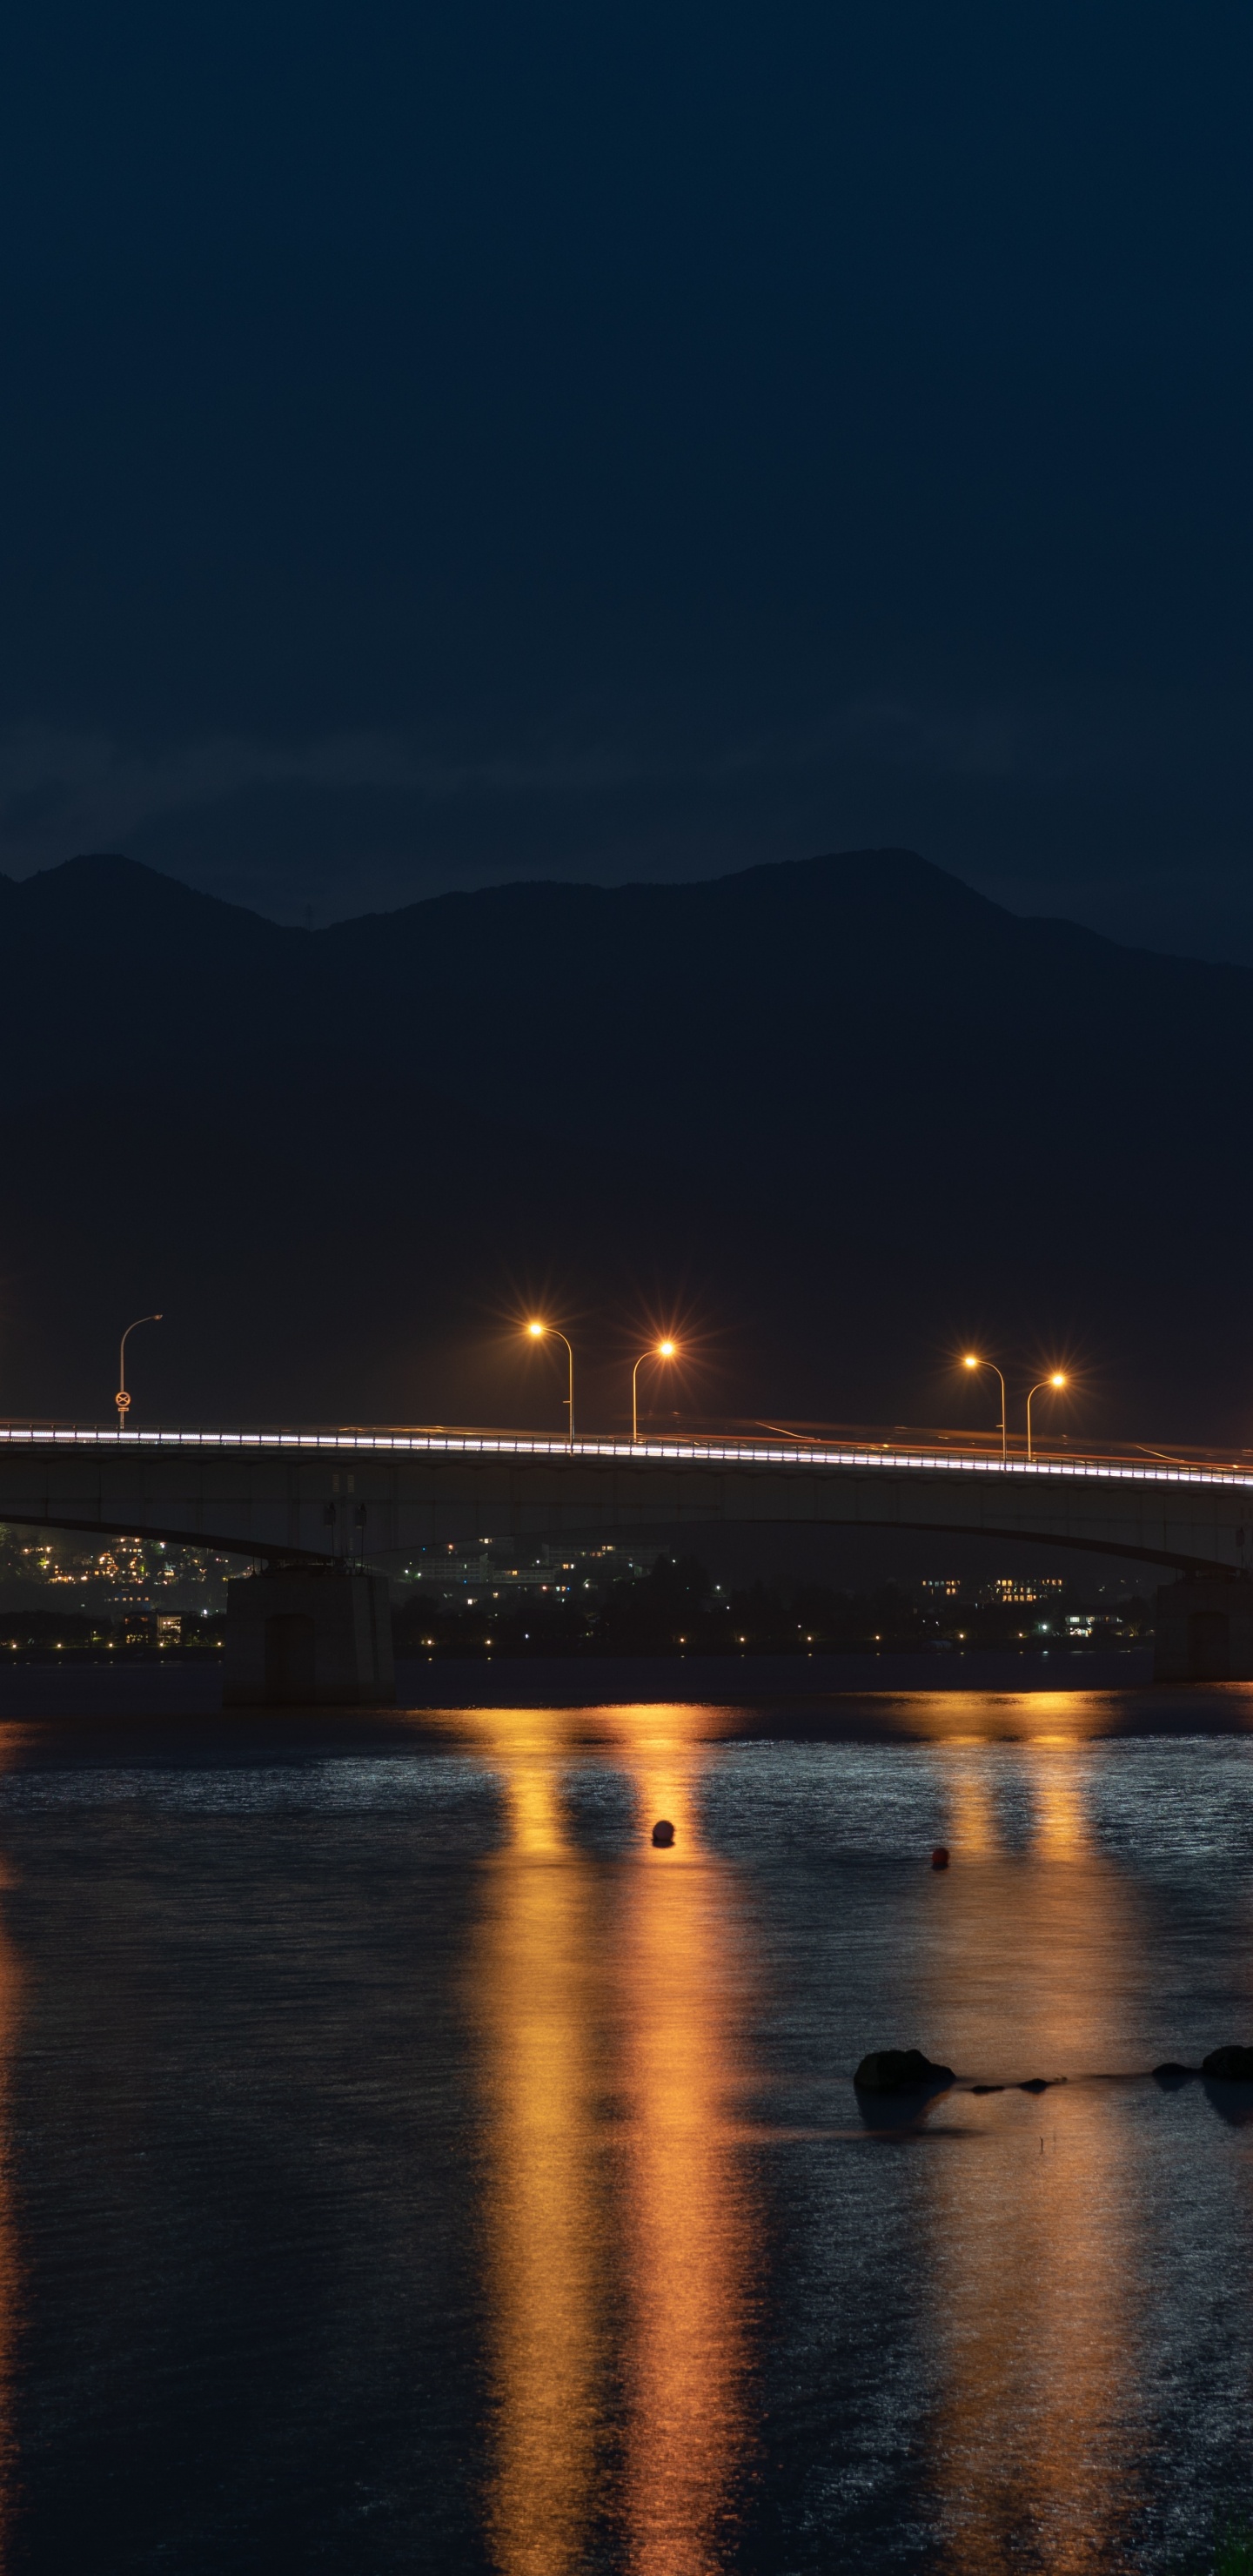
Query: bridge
x,y
308,1502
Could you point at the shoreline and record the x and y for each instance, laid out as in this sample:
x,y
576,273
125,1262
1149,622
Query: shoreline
x,y
148,1689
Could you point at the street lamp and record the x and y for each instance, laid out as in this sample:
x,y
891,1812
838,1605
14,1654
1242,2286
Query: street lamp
x,y
537,1333
1057,1379
659,1351
973,1361
122,1399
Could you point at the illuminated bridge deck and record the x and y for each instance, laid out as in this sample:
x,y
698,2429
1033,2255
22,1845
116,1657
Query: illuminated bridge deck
x,y
1135,1465
317,1493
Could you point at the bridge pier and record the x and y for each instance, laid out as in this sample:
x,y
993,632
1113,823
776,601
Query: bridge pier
x,y
314,1638
1204,1630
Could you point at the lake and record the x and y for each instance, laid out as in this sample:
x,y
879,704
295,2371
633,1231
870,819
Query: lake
x,y
404,2164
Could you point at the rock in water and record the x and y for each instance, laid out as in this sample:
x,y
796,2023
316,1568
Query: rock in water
x,y
1171,2072
1229,2065
900,2070
663,1833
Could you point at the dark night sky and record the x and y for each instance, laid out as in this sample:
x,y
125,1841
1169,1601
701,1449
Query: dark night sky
x,y
443,445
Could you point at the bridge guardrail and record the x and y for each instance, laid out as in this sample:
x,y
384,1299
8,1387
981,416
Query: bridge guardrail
x,y
917,1457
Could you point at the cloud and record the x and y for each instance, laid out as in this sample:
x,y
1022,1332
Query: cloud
x,y
62,791
1061,802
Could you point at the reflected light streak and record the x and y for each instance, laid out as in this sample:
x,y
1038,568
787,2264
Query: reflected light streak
x,y
879,1456
535,1995
10,2269
1061,1823
1003,1717
1033,2284
691,2235
589,1978
971,1829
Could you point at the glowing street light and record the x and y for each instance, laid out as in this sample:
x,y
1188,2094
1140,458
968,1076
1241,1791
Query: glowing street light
x,y
1057,1379
973,1361
122,1399
659,1351
540,1332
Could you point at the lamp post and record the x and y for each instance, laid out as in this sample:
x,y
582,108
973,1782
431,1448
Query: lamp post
x,y
659,1351
973,1361
537,1333
122,1399
1057,1379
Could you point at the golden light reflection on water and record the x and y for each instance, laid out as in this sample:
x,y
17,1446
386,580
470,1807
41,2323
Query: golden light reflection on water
x,y
621,1982
971,1824
537,1992
1034,2233
1000,1717
12,1743
625,2243
10,2269
10,2278
690,2233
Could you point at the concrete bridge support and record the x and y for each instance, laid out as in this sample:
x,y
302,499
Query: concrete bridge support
x,y
1205,1629
316,1638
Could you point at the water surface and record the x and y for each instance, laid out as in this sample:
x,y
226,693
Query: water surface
x,y
407,2164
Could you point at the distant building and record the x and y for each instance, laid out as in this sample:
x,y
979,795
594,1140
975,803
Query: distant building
x,y
495,1570
122,1575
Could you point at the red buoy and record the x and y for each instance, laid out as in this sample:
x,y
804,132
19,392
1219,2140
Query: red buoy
x,y
663,1833
939,1857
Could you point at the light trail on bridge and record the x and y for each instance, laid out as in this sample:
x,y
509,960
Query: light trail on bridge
x,y
503,1444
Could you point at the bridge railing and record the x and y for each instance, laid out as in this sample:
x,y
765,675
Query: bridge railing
x,y
942,1451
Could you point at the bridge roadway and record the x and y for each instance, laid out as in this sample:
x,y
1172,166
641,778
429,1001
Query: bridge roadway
x,y
305,1497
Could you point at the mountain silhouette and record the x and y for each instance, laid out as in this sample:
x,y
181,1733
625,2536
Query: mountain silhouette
x,y
836,1116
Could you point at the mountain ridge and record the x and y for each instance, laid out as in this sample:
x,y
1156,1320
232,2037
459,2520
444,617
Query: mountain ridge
x,y
837,1107
100,871
108,888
